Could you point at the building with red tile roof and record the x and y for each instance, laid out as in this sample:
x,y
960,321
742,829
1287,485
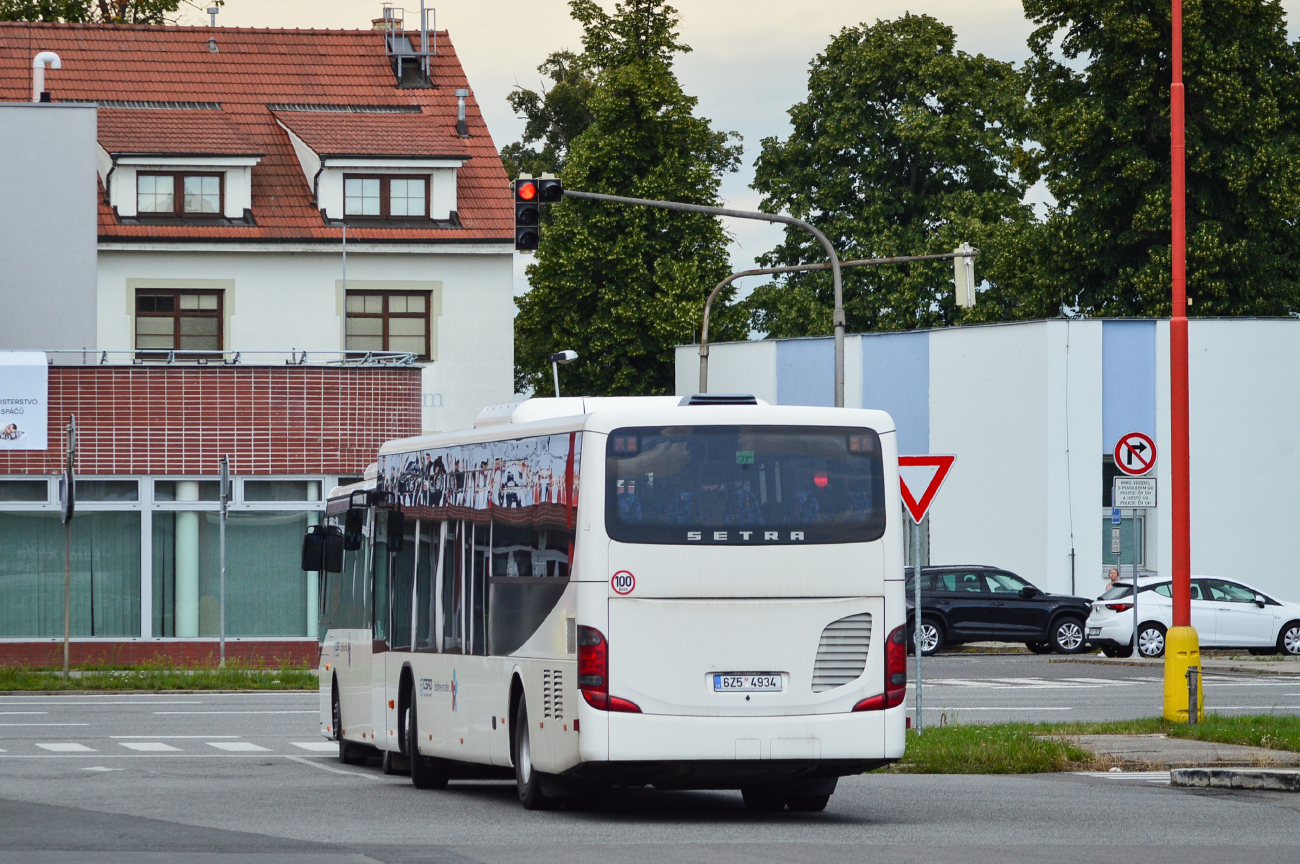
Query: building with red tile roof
x,y
237,165
279,246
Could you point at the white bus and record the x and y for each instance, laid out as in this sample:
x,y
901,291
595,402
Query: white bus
x,y
704,593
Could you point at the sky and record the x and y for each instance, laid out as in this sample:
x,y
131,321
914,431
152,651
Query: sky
x,y
749,63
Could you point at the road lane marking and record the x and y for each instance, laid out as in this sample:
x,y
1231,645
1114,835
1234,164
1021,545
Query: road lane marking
x,y
317,746
101,768
11,713
67,702
149,746
66,747
44,724
238,746
156,737
313,711
306,761
1000,708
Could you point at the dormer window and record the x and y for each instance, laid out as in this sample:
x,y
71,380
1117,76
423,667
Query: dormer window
x,y
160,194
385,197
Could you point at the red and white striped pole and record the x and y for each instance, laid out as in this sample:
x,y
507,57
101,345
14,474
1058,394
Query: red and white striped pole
x,y
1182,649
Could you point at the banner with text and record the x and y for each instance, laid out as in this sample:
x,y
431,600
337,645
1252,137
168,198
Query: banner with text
x,y
24,400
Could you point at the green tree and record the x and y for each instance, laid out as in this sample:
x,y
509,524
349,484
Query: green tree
x,y
99,11
1100,73
904,146
555,116
622,285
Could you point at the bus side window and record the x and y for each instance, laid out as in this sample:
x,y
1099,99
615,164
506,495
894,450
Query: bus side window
x,y
452,559
402,583
480,564
424,585
379,585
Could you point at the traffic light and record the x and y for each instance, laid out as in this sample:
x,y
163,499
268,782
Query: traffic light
x,y
526,215
549,189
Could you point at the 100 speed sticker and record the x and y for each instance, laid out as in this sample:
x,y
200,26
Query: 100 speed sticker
x,y
623,582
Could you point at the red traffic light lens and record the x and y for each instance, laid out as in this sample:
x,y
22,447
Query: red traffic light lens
x,y
526,191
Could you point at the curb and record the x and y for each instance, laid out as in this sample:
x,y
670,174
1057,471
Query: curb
x,y
1264,779
1212,666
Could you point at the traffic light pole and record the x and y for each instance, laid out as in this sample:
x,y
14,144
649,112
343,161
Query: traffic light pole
x,y
837,318
799,268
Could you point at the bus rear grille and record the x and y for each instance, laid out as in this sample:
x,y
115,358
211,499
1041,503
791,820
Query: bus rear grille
x,y
553,694
842,653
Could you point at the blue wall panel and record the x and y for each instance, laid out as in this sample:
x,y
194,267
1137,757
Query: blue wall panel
x,y
1128,380
805,372
896,378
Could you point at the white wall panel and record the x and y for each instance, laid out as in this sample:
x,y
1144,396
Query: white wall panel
x,y
989,406
734,367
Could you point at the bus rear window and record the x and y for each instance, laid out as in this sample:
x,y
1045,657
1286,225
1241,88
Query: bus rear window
x,y
744,485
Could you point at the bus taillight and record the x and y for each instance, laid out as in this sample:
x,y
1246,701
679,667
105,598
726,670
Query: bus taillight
x,y
895,674
593,673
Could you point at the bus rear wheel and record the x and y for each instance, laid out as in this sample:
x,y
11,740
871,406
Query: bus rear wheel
x,y
528,779
425,773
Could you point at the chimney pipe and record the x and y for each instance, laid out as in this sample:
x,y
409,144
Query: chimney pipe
x,y
461,129
39,62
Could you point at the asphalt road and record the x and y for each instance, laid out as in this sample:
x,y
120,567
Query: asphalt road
x,y
992,688
239,778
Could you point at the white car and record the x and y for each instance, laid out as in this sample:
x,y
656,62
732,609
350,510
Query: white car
x,y
1226,614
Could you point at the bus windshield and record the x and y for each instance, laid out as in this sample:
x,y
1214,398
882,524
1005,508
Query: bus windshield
x,y
744,485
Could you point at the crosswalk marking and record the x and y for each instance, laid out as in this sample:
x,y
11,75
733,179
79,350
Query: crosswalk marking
x,y
66,747
149,746
237,746
317,746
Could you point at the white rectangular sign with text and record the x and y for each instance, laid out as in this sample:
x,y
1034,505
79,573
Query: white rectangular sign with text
x,y
24,400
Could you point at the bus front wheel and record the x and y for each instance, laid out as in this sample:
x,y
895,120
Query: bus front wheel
x,y
527,778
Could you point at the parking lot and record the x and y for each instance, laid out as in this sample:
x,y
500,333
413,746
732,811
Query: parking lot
x,y
246,778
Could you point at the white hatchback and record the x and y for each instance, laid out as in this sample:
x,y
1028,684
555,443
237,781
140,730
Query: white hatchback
x,y
1225,614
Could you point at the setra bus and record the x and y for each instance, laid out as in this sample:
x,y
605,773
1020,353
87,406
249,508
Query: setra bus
x,y
696,593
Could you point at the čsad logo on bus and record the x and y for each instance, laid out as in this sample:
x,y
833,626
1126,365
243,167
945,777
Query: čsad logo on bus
x,y
623,582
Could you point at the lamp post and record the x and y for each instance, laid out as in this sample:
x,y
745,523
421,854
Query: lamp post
x,y
967,252
565,357
837,317
1182,648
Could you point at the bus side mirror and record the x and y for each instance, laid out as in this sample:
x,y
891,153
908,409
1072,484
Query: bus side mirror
x,y
322,549
396,530
353,526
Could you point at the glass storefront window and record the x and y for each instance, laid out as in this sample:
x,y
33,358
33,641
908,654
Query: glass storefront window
x,y
266,590
24,490
281,490
108,490
105,583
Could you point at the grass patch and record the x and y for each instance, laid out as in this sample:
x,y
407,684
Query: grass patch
x,y
1034,748
1003,748
162,675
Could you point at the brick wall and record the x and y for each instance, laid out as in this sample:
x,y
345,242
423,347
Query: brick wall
x,y
182,419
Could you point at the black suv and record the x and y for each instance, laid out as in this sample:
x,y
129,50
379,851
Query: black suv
x,y
980,604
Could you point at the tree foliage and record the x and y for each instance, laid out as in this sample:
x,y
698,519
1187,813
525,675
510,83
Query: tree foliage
x,y
904,146
555,116
1101,114
99,11
622,285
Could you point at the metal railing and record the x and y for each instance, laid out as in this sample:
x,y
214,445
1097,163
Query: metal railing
x,y
243,357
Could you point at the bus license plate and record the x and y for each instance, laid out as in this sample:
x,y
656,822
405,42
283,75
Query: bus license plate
x,y
746,683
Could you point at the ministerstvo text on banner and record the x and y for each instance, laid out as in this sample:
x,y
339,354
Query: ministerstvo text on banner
x,y
24,400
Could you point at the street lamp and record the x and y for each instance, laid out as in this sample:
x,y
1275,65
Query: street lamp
x,y
565,357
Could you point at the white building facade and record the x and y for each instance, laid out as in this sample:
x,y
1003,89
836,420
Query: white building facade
x,y
1033,411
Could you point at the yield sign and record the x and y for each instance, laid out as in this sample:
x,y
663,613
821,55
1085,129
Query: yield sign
x,y
1135,453
920,478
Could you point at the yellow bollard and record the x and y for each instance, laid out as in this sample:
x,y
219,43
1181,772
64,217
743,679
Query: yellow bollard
x,y
1182,650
